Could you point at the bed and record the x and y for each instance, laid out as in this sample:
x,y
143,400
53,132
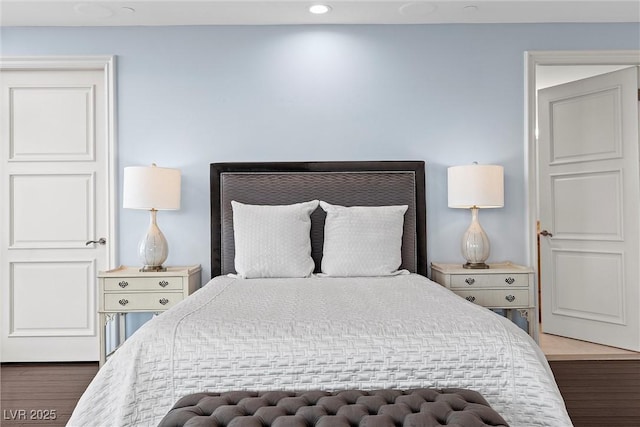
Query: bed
x,y
325,331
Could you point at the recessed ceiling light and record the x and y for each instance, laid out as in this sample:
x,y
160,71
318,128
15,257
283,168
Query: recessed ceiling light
x,y
93,10
319,9
417,9
126,10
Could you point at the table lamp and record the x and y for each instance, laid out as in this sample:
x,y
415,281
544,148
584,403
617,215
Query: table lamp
x,y
475,187
152,188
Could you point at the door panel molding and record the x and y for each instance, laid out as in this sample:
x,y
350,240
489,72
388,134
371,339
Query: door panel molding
x,y
57,319
605,102
25,130
566,185
28,228
595,268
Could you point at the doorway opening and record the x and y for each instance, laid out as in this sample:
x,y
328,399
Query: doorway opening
x,y
546,69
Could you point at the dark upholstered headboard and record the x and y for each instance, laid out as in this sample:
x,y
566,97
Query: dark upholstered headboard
x,y
379,183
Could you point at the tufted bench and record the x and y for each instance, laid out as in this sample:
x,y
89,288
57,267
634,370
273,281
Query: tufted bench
x,y
380,408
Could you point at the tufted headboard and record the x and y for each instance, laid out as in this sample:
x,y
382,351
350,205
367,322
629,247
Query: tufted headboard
x,y
377,183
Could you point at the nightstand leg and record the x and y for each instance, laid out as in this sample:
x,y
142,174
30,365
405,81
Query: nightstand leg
x,y
105,320
531,324
122,328
102,324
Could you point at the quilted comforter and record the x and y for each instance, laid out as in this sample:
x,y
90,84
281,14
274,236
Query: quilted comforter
x,y
322,333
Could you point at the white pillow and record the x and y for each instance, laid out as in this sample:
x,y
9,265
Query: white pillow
x,y
273,241
362,240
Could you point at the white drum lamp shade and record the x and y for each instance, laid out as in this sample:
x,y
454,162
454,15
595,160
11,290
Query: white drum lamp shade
x,y
475,187
152,188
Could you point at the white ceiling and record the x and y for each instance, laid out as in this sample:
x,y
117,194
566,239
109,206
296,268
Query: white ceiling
x,y
552,75
274,12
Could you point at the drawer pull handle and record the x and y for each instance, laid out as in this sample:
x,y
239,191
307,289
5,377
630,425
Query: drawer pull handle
x,y
510,280
470,281
163,301
123,301
123,284
163,283
510,298
470,298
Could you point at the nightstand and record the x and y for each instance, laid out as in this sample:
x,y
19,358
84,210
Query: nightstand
x,y
127,290
502,286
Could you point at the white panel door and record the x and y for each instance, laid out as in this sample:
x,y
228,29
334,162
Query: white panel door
x,y
589,189
57,180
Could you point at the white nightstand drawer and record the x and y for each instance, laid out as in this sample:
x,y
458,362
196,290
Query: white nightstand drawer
x,y
466,281
502,298
151,301
143,283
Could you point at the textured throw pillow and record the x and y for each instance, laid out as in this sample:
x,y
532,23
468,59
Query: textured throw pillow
x,y
362,240
273,241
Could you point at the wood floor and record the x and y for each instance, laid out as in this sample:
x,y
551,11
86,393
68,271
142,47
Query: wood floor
x,y
42,394
598,393
561,348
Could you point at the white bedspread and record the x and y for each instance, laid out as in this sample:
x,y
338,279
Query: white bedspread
x,y
322,333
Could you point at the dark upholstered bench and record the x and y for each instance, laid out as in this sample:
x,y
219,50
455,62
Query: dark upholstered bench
x,y
380,408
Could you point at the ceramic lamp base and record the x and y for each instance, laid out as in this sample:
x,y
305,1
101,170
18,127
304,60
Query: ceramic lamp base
x,y
153,249
475,244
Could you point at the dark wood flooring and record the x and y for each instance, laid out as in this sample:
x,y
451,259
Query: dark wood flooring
x,y
31,394
597,393
600,393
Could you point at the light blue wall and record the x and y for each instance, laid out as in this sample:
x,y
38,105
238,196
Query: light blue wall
x,y
445,94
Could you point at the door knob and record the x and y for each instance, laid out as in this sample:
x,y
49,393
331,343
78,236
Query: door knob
x,y
100,241
546,233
